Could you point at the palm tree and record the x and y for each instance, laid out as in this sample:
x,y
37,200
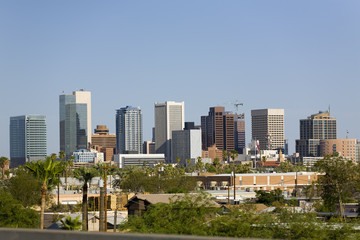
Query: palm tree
x,y
71,223
4,161
188,161
47,172
199,164
234,154
62,155
85,175
53,156
216,163
225,155
68,164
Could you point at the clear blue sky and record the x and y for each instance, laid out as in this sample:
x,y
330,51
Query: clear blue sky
x,y
298,55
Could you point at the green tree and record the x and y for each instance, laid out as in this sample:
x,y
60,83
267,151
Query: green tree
x,y
67,167
47,172
216,163
53,156
225,155
4,161
164,179
210,168
310,191
24,187
13,214
134,181
85,175
183,215
199,164
188,161
338,184
284,167
70,223
268,198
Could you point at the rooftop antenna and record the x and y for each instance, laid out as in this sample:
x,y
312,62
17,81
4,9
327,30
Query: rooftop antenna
x,y
329,109
347,134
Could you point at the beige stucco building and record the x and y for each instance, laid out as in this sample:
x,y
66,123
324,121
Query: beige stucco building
x,y
345,147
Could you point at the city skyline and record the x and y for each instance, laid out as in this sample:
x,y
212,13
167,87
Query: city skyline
x,y
198,123
301,57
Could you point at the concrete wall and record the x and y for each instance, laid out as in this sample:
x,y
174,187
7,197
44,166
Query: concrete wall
x,y
34,234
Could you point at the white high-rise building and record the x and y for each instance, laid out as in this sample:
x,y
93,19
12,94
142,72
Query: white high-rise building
x,y
267,127
129,131
169,116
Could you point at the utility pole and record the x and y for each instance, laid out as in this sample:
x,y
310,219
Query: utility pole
x,y
234,181
229,182
58,194
102,210
115,218
105,186
296,183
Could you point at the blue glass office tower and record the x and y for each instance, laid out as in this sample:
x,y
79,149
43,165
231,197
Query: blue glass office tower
x,y
75,121
129,132
63,101
75,127
27,139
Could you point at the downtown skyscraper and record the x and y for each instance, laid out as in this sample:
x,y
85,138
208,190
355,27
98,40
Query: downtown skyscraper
x,y
129,130
75,121
169,117
315,128
267,127
223,129
27,139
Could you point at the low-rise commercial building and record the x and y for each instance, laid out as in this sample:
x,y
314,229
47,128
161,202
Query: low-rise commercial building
x,y
149,160
86,157
259,181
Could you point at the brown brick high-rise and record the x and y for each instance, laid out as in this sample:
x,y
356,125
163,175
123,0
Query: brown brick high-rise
x,y
104,142
221,129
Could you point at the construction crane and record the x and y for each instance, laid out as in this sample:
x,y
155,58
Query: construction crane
x,y
237,104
